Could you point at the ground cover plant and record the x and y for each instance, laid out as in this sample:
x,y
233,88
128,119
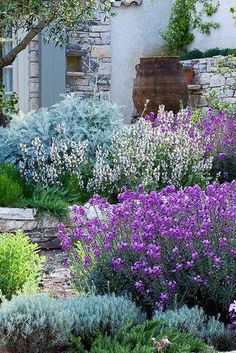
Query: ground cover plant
x,y
20,264
149,337
16,191
11,185
160,245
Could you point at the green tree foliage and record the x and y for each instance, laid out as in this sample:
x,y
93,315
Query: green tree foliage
x,y
33,16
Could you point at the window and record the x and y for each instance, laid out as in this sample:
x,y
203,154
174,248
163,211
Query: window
x,y
74,63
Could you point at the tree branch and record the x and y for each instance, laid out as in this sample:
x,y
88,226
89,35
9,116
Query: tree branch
x,y
10,57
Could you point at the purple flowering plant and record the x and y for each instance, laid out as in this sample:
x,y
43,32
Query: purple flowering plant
x,y
159,246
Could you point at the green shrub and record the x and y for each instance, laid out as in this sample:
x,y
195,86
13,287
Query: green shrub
x,y
192,54
186,17
52,200
139,340
33,324
76,194
11,189
197,54
195,321
20,264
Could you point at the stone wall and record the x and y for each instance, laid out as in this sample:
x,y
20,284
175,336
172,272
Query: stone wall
x,y
33,74
91,43
208,78
40,229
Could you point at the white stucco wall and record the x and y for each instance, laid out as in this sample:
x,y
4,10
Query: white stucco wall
x,y
134,34
223,37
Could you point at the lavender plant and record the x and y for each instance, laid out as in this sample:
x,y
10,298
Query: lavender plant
x,y
158,245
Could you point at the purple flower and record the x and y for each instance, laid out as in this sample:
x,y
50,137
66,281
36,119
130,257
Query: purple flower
x,y
164,297
117,263
217,261
123,246
171,286
139,286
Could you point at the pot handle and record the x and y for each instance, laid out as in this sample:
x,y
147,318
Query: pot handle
x,y
139,68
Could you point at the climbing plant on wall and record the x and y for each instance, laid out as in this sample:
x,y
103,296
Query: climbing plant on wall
x,y
233,10
187,15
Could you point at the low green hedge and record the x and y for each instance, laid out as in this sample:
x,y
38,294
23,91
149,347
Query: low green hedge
x,y
198,54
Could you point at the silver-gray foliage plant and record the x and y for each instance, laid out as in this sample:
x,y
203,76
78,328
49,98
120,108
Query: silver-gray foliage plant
x,y
33,324
195,321
88,119
39,323
101,314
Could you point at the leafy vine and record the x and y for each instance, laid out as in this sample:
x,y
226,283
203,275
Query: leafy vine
x,y
186,16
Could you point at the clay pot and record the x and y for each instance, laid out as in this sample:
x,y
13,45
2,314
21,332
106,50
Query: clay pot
x,y
189,76
160,80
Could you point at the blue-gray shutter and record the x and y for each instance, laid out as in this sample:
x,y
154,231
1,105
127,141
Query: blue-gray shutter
x,y
52,73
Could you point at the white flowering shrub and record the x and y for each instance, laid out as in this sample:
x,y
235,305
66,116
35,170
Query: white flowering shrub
x,y
47,168
166,153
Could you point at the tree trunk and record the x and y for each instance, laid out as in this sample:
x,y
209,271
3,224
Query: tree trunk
x,y
10,57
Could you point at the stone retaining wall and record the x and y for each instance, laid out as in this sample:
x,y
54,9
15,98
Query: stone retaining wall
x,y
207,78
40,229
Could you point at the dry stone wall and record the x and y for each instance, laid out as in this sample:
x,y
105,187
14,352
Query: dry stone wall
x,y
40,229
91,45
208,78
92,42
